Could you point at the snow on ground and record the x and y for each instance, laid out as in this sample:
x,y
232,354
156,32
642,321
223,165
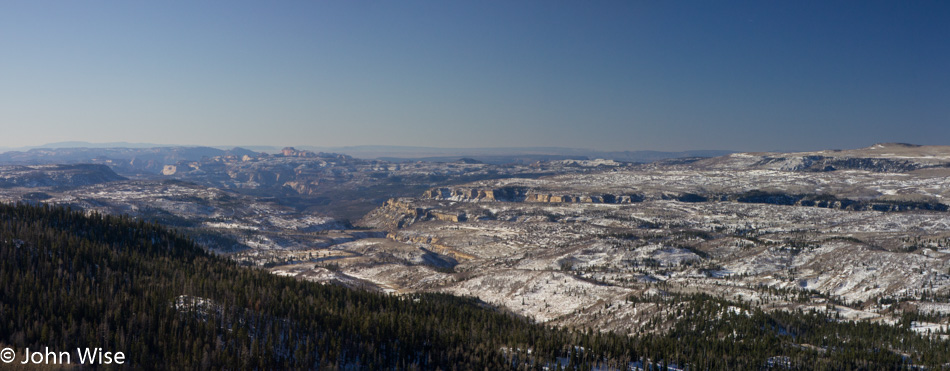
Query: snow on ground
x,y
231,225
845,313
937,308
308,223
928,328
543,296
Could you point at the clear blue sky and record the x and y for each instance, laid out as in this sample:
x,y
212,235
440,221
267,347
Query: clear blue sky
x,y
612,75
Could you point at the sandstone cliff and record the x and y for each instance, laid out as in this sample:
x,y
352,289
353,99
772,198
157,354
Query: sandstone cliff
x,y
525,194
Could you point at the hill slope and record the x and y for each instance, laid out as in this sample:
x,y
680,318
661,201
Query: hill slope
x,y
72,281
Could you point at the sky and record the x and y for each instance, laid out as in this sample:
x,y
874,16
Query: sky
x,y
604,75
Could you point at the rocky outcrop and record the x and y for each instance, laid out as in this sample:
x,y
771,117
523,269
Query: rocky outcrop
x,y
395,214
687,197
399,213
432,242
293,152
304,188
596,198
508,194
524,194
449,216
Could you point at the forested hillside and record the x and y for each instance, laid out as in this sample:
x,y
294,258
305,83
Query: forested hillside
x,y
74,281
71,281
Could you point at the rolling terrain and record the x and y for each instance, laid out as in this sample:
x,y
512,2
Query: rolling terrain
x,y
854,237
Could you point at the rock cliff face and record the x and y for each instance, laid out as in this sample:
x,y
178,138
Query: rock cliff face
x,y
584,198
525,194
509,194
400,213
66,176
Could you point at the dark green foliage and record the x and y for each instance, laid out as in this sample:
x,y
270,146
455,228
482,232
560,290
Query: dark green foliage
x,y
713,333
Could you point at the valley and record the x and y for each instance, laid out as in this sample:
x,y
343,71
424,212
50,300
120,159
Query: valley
x,y
859,235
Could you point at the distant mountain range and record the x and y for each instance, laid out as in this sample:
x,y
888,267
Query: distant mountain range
x,y
81,144
71,152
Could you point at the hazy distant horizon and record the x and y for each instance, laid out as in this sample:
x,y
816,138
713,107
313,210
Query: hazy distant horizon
x,y
381,151
278,147
609,76
367,147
